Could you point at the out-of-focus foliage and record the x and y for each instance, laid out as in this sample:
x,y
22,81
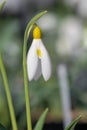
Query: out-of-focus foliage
x,y
64,31
2,5
2,127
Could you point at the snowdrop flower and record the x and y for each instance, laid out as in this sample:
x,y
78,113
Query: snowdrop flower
x,y
38,61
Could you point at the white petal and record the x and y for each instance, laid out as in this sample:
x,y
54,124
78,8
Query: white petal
x,y
32,61
38,71
45,62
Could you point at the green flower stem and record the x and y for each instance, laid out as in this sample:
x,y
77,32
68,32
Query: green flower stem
x,y
27,98
8,94
28,113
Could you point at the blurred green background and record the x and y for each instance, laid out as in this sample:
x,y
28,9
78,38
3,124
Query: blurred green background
x,y
64,30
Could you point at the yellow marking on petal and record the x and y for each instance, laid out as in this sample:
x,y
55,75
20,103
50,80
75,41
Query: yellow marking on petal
x,y
39,53
36,33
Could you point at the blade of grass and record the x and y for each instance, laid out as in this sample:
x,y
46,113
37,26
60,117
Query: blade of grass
x,y
41,120
73,123
8,94
6,86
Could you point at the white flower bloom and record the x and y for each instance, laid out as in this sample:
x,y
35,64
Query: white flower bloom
x,y
38,61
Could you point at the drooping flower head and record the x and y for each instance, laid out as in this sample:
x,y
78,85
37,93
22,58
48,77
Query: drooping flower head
x,y
38,60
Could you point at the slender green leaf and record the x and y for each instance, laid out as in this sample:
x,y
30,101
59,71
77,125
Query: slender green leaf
x,y
41,120
2,5
2,127
73,124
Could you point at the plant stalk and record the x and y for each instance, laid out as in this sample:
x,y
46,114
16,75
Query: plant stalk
x,y
26,85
